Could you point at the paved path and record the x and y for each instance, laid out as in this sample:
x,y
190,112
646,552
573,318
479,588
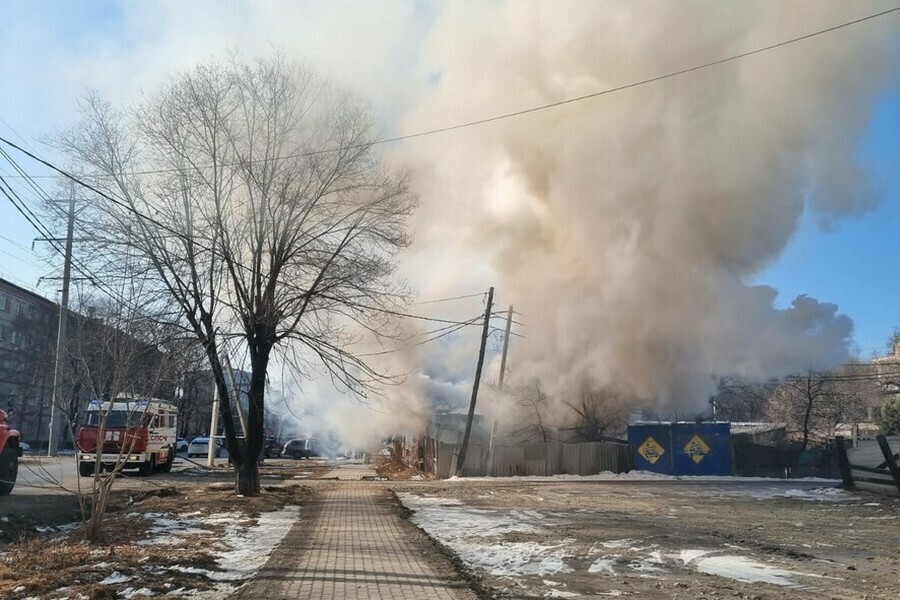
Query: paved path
x,y
351,543
351,472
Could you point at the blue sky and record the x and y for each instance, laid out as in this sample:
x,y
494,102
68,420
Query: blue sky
x,y
853,262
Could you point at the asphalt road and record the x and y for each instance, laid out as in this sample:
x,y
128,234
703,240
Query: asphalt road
x,y
41,475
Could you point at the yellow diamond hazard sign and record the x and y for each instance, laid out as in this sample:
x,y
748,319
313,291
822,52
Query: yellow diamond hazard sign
x,y
651,450
696,449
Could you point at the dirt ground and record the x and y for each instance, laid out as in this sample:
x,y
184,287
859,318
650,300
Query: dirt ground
x,y
649,540
642,539
43,552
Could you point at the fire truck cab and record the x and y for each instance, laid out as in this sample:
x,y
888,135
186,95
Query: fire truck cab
x,y
137,432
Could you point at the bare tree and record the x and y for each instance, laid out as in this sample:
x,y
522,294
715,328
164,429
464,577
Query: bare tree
x,y
535,418
118,349
815,403
255,201
596,413
740,399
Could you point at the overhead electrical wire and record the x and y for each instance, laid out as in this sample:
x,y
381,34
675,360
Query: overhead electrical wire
x,y
549,105
446,331
464,125
45,231
179,234
76,264
451,298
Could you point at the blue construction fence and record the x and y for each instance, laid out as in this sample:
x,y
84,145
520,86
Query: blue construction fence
x,y
682,448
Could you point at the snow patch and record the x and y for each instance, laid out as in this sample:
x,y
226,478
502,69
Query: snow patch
x,y
689,555
560,594
131,592
251,547
745,569
433,516
603,565
512,559
624,543
437,501
116,577
649,476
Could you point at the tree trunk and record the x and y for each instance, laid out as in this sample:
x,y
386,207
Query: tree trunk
x,y
247,472
246,478
806,419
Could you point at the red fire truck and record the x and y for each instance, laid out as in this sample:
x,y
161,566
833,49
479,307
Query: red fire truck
x,y
9,455
137,433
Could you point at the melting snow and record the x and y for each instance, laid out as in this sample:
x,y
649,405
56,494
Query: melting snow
x,y
744,569
477,537
602,565
618,543
116,577
512,559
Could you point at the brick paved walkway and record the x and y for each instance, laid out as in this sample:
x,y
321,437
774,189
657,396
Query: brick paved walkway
x,y
351,543
352,472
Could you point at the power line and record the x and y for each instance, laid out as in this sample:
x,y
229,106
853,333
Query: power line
x,y
448,299
36,223
464,125
499,315
542,107
449,329
175,232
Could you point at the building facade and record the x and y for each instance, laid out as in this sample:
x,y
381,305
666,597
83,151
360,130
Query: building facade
x,y
28,325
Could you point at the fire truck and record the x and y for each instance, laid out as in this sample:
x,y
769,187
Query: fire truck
x,y
137,433
9,455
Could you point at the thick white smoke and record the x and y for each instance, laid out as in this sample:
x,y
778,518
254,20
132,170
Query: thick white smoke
x,y
627,229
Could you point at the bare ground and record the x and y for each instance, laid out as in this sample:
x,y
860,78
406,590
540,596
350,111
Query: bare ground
x,y
649,540
43,552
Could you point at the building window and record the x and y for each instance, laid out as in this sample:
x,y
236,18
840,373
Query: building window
x,y
2,333
15,338
4,303
18,308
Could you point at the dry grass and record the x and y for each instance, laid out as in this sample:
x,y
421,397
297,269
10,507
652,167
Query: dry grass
x,y
398,471
66,566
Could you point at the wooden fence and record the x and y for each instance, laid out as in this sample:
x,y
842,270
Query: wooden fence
x,y
872,466
543,458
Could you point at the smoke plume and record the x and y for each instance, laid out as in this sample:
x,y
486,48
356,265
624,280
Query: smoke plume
x,y
627,229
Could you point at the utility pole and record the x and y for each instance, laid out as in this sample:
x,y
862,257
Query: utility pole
x,y
56,408
461,459
509,314
236,390
213,447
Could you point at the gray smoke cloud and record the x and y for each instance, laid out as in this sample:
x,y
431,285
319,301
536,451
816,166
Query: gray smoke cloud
x,y
628,229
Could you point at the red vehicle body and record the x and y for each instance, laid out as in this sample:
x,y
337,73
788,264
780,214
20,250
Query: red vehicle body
x,y
137,433
9,455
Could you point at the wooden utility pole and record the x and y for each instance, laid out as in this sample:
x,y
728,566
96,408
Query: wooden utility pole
x,y
212,449
490,460
461,459
236,391
509,315
58,405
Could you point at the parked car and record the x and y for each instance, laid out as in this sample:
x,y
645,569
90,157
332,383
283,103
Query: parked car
x,y
271,449
302,448
199,447
181,445
24,448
